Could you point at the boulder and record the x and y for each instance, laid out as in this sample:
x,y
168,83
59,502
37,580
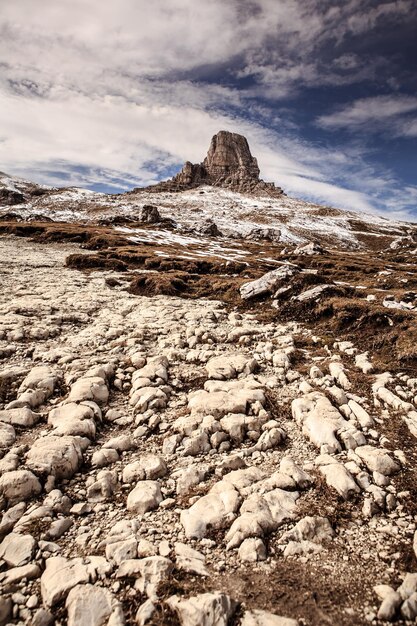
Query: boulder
x,y
60,576
229,366
57,456
206,609
19,485
90,605
22,417
268,283
17,549
146,496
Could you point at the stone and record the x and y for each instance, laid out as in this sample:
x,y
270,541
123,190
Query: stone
x,y
22,417
122,443
10,517
268,283
145,613
213,511
146,496
58,456
89,388
311,528
261,514
252,549
6,607
19,485
338,477
150,571
301,478
16,574
229,366
7,436
59,527
390,604
205,609
409,607
149,214
60,576
263,618
377,460
220,398
103,457
103,488
148,467
120,551
40,377
191,476
190,560
313,294
90,605
73,419
17,549
319,419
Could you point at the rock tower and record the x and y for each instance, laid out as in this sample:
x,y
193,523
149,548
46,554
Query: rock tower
x,y
229,164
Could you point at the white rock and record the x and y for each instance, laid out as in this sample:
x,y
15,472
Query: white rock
x,y
149,467
58,456
229,366
263,618
40,377
252,550
17,549
60,576
190,560
260,514
338,477
120,551
103,457
73,419
7,436
310,528
144,497
377,460
319,419
23,417
268,283
215,510
89,388
90,605
150,572
206,609
19,485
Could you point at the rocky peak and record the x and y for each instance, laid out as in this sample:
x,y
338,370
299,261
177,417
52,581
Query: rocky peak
x,y
229,155
228,164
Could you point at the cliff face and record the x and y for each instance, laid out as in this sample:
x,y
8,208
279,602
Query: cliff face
x,y
228,164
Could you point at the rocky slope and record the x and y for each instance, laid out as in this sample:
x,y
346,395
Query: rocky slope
x,y
201,425
223,196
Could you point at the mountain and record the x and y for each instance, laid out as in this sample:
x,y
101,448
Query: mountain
x,y
226,190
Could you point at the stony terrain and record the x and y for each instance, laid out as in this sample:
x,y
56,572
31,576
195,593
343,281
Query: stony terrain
x,y
204,430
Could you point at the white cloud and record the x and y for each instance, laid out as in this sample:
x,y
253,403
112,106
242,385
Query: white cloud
x,y
370,112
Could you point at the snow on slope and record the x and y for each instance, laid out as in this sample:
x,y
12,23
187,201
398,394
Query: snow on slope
x,y
236,215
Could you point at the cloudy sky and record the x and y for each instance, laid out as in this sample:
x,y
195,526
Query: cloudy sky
x,y
112,94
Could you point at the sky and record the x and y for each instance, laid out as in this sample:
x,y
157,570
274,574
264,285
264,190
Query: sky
x,y
114,94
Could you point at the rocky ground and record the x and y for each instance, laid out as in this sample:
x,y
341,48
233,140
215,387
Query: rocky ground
x,y
181,460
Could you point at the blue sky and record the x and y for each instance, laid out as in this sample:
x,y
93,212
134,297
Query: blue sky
x,y
116,94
